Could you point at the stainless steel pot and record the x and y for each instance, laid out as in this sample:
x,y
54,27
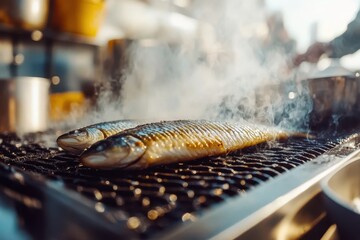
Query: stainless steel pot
x,y
31,14
24,104
334,94
315,103
333,98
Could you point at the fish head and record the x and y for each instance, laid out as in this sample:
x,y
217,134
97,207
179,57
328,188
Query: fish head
x,y
118,151
78,140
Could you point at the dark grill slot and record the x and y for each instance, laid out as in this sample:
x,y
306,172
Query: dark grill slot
x,y
162,196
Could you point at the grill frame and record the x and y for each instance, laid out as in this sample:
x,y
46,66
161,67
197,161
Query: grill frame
x,y
209,223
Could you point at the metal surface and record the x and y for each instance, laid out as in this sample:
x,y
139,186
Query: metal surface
x,y
154,203
32,210
24,103
318,103
342,195
30,14
332,98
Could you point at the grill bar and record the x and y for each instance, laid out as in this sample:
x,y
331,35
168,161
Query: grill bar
x,y
154,200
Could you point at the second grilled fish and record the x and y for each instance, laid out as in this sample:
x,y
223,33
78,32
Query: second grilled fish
x,y
77,140
175,141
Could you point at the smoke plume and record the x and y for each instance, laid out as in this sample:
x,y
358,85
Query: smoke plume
x,y
225,73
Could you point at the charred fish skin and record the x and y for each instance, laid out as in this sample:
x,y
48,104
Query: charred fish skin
x,y
175,141
78,140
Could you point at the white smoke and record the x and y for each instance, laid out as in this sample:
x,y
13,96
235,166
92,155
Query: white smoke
x,y
223,74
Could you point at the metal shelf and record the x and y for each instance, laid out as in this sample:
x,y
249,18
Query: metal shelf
x,y
47,34
48,38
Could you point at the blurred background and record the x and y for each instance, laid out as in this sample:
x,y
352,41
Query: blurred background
x,y
309,21
80,45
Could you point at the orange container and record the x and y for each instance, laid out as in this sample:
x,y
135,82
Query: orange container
x,y
78,16
63,105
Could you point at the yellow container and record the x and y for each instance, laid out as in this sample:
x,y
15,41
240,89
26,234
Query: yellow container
x,y
78,16
64,105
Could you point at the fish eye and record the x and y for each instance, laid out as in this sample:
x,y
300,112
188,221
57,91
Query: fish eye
x,y
99,148
76,132
81,133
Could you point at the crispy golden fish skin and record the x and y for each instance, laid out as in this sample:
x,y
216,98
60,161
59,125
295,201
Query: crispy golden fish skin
x,y
175,141
78,140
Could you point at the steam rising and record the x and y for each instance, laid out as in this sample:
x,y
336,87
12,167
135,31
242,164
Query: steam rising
x,y
224,73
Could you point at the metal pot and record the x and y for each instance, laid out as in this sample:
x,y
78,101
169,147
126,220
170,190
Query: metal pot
x,y
31,14
333,99
315,103
333,93
24,104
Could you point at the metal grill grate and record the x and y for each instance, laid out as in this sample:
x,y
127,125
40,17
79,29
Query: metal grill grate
x,y
151,200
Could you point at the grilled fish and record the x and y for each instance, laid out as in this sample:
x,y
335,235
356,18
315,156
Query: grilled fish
x,y
77,140
175,141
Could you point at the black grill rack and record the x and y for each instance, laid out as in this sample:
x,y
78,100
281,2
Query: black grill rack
x,y
155,199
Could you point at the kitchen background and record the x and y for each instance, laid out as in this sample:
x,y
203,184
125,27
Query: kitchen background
x,y
79,45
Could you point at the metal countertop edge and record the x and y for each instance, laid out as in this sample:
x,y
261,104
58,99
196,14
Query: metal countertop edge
x,y
221,222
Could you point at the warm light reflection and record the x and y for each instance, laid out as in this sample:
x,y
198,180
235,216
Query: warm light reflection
x,y
133,223
55,80
36,35
19,59
99,207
